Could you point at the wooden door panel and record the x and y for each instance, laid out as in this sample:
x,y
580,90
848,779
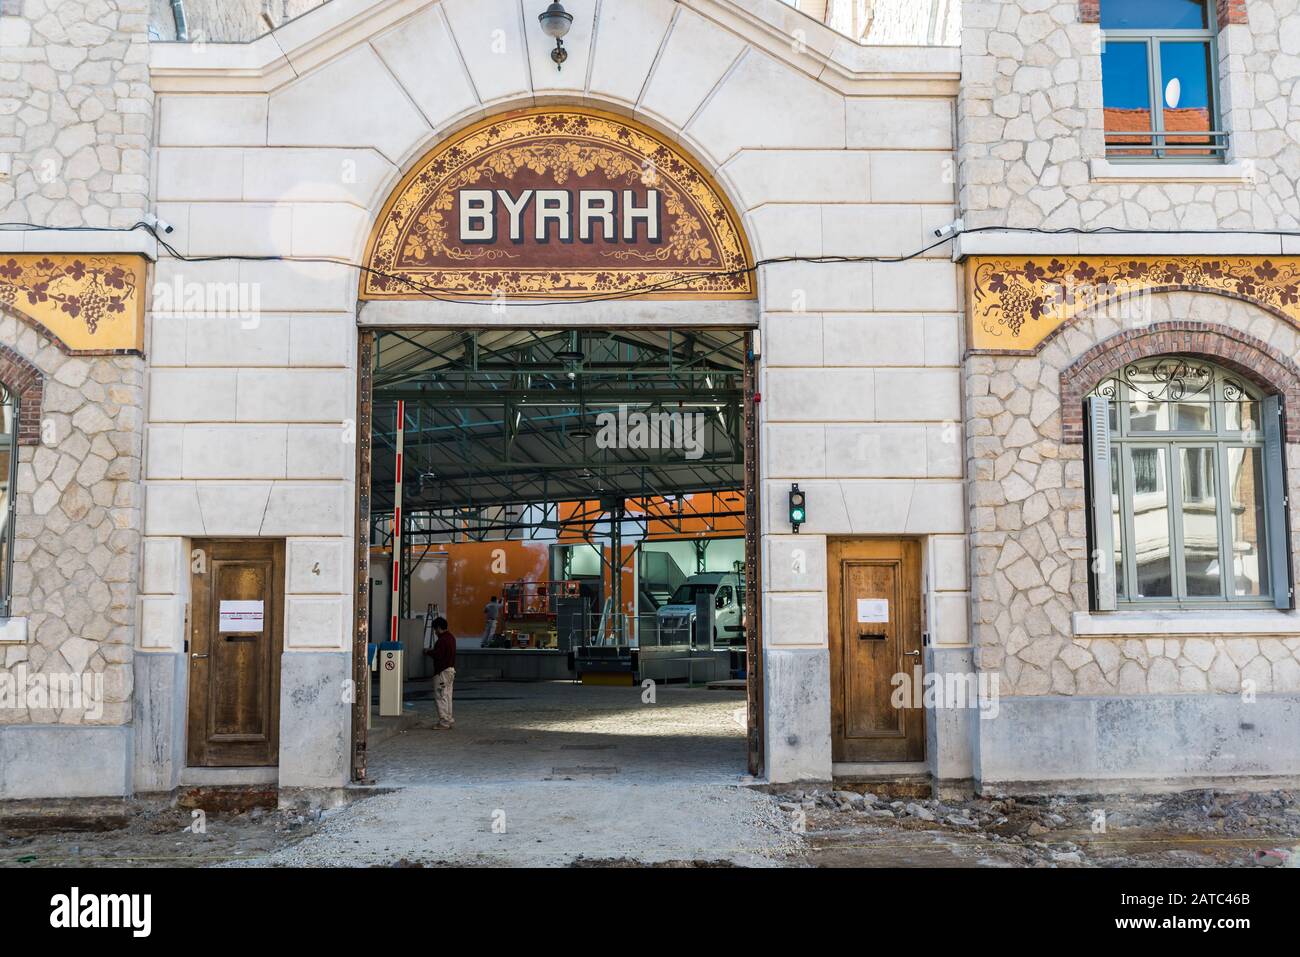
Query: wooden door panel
x,y
869,661
234,704
866,654
238,670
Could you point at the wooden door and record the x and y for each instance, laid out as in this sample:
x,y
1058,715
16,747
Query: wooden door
x,y
237,599
875,633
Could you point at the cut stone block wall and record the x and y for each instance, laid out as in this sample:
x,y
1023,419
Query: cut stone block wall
x,y
861,376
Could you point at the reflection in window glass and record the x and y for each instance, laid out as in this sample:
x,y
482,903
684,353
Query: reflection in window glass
x,y
1154,14
1158,67
1148,477
1117,531
1241,416
1185,68
8,454
1151,544
1193,417
1148,415
1200,522
1189,507
1249,558
1126,83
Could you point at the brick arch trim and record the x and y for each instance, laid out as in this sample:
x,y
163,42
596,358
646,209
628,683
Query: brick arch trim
x,y
1242,353
24,381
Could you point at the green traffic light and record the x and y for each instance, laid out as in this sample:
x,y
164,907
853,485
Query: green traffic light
x,y
798,515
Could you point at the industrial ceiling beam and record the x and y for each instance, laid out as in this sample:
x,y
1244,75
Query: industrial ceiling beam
x,y
534,398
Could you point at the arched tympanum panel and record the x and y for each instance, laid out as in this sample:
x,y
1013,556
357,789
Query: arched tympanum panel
x,y
557,203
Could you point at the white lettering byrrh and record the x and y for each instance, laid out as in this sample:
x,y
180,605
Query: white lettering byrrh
x,y
562,214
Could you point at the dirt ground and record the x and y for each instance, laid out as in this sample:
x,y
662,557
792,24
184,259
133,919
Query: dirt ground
x,y
579,824
151,834
553,774
1200,828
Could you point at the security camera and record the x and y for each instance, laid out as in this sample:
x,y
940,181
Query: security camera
x,y
156,223
952,229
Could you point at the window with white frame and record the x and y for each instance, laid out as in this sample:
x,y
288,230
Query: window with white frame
x,y
8,468
1159,72
1186,487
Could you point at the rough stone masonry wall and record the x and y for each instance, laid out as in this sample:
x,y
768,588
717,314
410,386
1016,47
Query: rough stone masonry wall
x,y
77,527
76,111
1028,537
1030,121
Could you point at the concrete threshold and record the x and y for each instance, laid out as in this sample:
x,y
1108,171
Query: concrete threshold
x,y
894,779
883,771
228,777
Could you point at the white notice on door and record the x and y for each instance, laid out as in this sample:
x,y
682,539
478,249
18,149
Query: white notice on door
x,y
873,610
240,616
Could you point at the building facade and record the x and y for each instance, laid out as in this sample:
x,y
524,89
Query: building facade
x,y
1162,277
947,415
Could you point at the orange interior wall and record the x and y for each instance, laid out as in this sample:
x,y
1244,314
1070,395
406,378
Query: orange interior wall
x,y
688,526
673,524
478,570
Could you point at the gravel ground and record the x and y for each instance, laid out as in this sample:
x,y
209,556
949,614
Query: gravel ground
x,y
511,732
550,824
550,774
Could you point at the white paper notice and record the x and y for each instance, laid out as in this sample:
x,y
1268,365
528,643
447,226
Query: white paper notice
x,y
873,610
240,616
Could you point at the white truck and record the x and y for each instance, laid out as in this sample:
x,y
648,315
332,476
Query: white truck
x,y
677,618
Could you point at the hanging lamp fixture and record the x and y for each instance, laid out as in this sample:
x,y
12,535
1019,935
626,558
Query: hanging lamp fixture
x,y
555,21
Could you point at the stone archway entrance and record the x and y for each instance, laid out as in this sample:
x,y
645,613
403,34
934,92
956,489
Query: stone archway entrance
x,y
556,214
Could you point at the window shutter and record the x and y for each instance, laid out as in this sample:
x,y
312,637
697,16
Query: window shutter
x,y
1101,562
1279,555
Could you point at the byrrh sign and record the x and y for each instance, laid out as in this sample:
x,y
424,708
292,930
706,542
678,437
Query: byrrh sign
x,y
557,203
608,215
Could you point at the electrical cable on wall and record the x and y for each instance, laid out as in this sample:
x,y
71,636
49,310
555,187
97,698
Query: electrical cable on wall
x,y
667,285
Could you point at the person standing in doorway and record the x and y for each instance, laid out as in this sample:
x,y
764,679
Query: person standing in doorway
x,y
444,673
491,615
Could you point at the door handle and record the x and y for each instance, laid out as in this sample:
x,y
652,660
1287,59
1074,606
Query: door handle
x,y
197,656
913,654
